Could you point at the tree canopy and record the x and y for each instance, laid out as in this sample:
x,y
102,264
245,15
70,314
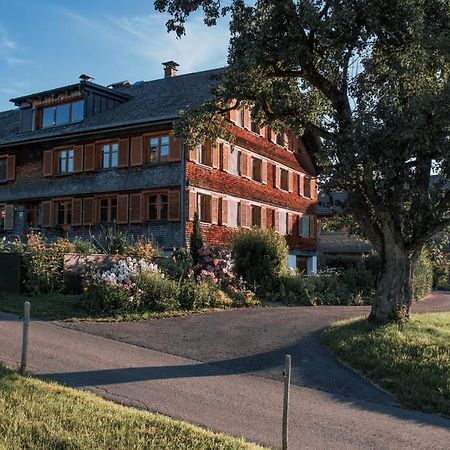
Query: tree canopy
x,y
366,82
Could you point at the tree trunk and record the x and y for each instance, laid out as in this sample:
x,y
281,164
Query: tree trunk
x,y
394,290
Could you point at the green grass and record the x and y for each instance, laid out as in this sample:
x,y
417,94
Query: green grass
x,y
68,307
40,415
411,361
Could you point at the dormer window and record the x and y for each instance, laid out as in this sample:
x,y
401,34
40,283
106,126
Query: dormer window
x,y
62,113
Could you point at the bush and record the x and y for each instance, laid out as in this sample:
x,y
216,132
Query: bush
x,y
43,264
198,295
84,247
180,266
113,241
260,257
196,239
423,275
156,293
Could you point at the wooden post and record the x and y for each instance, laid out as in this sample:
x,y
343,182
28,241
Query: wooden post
x,y
26,324
287,382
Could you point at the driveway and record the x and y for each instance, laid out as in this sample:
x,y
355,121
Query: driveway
x,y
223,371
254,341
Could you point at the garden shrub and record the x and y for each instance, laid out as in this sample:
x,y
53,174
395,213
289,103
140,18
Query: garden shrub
x,y
84,247
423,275
260,257
198,295
155,292
112,241
43,263
180,265
214,265
196,242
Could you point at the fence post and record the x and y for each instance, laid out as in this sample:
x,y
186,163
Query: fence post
x,y
26,324
287,382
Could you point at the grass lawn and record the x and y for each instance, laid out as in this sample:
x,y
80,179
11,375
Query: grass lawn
x,y
36,414
68,307
411,361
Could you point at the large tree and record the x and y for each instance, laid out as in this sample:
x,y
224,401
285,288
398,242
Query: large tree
x,y
367,84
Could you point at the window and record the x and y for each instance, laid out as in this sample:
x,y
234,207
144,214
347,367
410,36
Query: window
x,y
254,127
280,138
62,114
3,168
305,226
158,148
204,208
221,157
110,155
108,210
238,214
32,215
256,216
158,207
206,154
64,212
284,179
307,187
65,161
256,169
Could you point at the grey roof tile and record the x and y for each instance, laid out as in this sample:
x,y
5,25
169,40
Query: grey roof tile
x,y
150,101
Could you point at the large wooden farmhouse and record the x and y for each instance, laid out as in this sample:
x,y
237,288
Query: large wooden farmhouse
x,y
82,156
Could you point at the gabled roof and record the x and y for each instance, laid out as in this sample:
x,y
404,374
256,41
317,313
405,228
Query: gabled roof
x,y
150,101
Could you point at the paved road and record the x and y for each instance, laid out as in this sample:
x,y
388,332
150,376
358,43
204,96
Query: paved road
x,y
192,368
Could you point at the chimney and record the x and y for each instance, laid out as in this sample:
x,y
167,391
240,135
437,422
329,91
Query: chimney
x,y
170,68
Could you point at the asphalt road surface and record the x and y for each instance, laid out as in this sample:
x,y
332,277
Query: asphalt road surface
x,y
224,371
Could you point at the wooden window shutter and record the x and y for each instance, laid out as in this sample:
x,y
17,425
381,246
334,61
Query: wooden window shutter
x,y
263,131
312,226
122,208
277,177
223,211
77,204
215,210
290,223
174,205
11,168
48,163
175,149
302,184
192,204
244,164
291,181
249,166
264,172
124,153
88,211
47,216
233,115
263,217
136,153
78,159
9,218
225,156
216,156
193,153
89,157
247,118
276,221
273,137
313,188
243,209
135,208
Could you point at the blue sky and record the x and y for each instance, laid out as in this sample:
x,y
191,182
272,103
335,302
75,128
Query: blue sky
x,y
45,44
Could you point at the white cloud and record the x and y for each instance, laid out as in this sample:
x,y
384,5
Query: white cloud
x,y
143,40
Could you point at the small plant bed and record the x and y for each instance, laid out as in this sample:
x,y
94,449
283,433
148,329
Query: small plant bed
x,y
60,307
37,414
412,360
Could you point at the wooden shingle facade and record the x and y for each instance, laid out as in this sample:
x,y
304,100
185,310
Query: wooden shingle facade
x,y
81,157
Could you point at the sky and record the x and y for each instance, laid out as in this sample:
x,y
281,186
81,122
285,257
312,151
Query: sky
x,y
49,43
